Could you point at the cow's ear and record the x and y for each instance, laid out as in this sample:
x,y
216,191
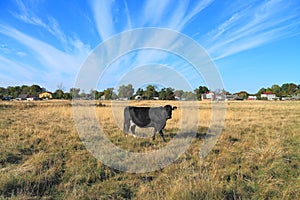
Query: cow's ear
x,y
174,108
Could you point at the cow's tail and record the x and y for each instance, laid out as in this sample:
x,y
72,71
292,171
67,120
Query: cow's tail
x,y
126,120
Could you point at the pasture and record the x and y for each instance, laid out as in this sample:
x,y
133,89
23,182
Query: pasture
x,y
256,157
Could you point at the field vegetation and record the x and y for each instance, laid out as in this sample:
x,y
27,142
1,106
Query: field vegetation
x,y
256,157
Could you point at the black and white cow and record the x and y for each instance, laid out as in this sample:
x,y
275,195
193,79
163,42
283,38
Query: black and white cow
x,y
145,117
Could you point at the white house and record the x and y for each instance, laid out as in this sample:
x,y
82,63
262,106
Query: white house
x,y
252,97
268,96
31,98
102,97
177,98
208,96
138,97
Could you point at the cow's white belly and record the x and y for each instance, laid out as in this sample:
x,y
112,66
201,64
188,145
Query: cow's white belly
x,y
142,132
147,126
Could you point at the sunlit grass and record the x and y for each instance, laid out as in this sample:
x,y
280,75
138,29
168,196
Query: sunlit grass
x,y
256,157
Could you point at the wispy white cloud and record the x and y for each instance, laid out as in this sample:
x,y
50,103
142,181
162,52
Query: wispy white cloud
x,y
4,49
102,11
179,21
26,14
55,63
172,15
251,27
7,50
21,54
154,13
15,71
128,23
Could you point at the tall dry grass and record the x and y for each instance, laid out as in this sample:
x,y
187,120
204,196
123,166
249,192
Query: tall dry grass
x,y
256,157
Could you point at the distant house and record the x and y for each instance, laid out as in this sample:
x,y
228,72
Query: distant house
x,y
296,97
102,97
268,96
252,98
177,98
209,96
46,95
123,99
286,98
31,98
26,97
233,97
138,97
22,97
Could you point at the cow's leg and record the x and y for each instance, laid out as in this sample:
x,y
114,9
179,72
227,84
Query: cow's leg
x,y
133,130
154,132
162,135
159,127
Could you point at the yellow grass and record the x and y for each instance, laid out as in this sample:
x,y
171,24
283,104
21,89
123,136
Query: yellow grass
x,y
256,157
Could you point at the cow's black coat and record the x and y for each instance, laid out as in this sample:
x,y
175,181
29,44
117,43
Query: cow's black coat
x,y
147,117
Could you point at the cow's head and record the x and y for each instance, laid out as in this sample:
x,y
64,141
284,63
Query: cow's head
x,y
169,111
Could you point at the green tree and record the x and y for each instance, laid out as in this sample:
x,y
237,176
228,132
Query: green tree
x,y
83,95
200,90
188,95
108,93
260,91
162,95
276,89
284,89
150,92
288,89
98,95
24,89
178,93
17,91
58,94
75,92
67,95
35,90
297,90
139,92
242,94
2,92
10,90
125,91
292,88
170,94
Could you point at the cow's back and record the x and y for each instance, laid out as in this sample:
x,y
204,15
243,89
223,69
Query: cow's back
x,y
140,116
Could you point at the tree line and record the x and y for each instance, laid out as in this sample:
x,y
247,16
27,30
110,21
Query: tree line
x,y
148,93
127,92
285,90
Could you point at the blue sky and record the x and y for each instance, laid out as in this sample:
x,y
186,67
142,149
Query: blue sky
x,y
254,44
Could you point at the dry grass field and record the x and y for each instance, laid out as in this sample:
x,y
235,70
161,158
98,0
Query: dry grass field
x,y
256,157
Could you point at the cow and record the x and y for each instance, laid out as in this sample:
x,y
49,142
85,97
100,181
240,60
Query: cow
x,y
145,117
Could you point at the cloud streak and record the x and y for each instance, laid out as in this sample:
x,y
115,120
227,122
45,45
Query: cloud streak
x,y
40,43
251,27
15,71
54,62
102,11
165,14
154,13
27,15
